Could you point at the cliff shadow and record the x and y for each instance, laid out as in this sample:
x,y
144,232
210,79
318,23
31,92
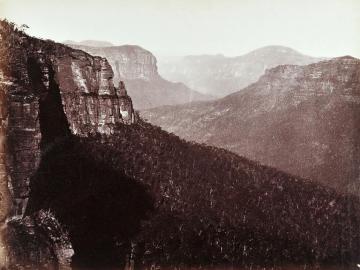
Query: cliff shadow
x,y
98,205
53,121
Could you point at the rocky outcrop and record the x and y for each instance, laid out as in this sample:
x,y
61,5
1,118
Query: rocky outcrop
x,y
137,67
219,75
91,102
38,242
5,198
300,119
125,105
48,92
57,84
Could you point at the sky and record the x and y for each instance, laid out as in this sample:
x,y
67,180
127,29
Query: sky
x,y
326,28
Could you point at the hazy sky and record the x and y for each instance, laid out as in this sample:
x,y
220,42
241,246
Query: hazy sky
x,y
230,27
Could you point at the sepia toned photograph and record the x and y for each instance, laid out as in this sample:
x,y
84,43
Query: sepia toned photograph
x,y
179,135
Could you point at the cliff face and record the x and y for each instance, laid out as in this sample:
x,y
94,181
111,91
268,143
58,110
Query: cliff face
x,y
52,91
129,62
91,102
301,119
48,92
138,68
218,75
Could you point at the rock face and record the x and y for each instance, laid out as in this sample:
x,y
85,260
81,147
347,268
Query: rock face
x,y
91,102
38,241
49,91
82,84
137,67
125,105
300,119
128,62
50,82
218,75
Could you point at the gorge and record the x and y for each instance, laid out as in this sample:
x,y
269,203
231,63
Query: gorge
x,y
301,119
84,181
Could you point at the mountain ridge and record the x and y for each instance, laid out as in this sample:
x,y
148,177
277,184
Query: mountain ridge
x,y
89,42
219,75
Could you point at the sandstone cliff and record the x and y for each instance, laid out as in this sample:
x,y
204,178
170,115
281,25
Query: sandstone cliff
x,y
56,91
49,91
129,62
138,68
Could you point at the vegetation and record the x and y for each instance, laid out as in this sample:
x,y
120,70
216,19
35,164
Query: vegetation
x,y
214,207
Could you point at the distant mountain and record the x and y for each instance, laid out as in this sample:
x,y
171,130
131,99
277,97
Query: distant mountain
x,y
301,119
218,75
138,68
93,43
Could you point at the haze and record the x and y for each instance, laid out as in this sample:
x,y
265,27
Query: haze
x,y
233,27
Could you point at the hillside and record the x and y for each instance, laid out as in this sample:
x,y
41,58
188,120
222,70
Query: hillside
x,y
300,119
207,207
219,76
138,68
214,207
89,188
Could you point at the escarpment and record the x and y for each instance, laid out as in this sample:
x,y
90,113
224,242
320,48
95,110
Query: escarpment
x,y
91,185
129,62
49,93
54,91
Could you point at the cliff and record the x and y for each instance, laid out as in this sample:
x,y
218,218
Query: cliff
x,y
128,61
50,91
93,189
300,119
137,67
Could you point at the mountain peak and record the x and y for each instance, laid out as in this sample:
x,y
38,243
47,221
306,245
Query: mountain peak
x,y
275,49
345,57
